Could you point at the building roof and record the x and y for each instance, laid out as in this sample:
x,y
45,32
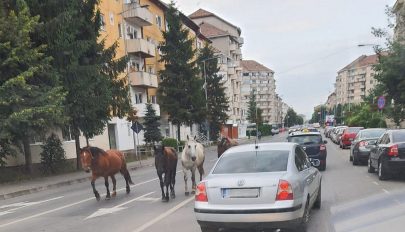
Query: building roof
x,y
211,31
201,13
254,66
361,62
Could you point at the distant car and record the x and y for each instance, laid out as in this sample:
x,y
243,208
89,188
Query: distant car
x,y
313,145
316,125
348,136
337,133
309,129
360,148
387,155
326,130
271,185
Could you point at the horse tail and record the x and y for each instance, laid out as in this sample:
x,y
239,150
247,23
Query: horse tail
x,y
125,173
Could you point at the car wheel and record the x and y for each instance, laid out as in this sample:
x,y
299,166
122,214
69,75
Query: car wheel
x,y
317,204
370,168
208,229
302,227
355,160
382,172
322,167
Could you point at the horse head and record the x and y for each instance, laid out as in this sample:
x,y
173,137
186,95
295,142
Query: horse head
x,y
160,161
191,148
86,157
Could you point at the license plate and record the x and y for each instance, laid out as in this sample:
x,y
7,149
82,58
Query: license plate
x,y
240,193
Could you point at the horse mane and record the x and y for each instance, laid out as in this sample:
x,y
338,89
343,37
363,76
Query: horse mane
x,y
95,151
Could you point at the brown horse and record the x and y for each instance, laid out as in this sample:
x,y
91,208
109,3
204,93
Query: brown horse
x,y
166,164
105,164
225,144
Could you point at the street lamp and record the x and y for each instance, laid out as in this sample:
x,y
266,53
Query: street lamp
x,y
206,93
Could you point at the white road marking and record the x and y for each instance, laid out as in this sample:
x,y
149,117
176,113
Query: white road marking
x,y
24,204
375,183
386,191
104,211
69,205
152,199
163,215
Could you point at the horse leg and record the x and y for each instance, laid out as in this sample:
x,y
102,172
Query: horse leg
x,y
193,185
93,180
167,183
201,171
172,183
127,177
114,181
108,196
161,185
186,192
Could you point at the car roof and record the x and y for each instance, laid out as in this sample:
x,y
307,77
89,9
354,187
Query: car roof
x,y
304,133
261,147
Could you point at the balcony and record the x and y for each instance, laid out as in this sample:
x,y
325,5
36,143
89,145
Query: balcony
x,y
141,47
137,15
238,51
233,47
231,71
141,109
240,40
143,79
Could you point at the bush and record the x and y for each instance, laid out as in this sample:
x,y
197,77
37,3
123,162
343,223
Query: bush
x,y
53,156
170,142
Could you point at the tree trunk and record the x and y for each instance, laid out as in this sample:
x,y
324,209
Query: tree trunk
x,y
178,132
27,154
87,141
77,143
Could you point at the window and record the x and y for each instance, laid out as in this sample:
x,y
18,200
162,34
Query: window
x,y
67,134
398,136
138,98
158,21
102,22
301,160
119,30
251,162
153,99
37,138
111,19
132,33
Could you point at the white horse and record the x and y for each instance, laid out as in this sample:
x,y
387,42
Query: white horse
x,y
192,158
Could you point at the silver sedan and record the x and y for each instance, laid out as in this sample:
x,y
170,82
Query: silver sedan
x,y
256,187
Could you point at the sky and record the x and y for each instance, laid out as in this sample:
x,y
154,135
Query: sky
x,y
305,42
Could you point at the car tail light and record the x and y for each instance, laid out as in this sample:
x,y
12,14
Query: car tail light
x,y
201,194
393,150
284,191
322,147
363,143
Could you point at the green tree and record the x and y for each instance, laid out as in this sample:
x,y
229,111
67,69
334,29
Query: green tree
x,y
217,102
53,155
90,73
292,118
31,101
252,106
152,124
180,92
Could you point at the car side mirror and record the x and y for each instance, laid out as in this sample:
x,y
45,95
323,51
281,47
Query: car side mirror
x,y
325,141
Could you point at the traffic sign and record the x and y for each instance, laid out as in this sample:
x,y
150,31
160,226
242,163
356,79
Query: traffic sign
x,y
136,127
381,102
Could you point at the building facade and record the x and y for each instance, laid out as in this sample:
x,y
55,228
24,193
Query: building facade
x,y
331,102
259,80
356,80
226,38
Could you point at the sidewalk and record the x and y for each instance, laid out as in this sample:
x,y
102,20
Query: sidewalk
x,y
11,190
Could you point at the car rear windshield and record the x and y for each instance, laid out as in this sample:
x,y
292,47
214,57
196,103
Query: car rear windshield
x,y
305,139
252,161
354,129
372,133
398,136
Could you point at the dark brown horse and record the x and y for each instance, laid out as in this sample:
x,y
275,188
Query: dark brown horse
x,y
166,164
105,164
225,144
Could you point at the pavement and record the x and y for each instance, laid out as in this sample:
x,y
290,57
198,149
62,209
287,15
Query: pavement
x,y
16,189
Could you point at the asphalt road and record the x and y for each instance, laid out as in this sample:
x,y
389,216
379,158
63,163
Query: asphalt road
x,y
352,199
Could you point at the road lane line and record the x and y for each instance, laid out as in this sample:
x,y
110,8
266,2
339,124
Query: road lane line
x,y
67,206
386,191
375,183
163,215
127,202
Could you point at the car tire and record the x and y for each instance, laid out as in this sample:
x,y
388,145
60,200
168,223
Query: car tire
x,y
370,168
208,229
382,171
302,227
322,167
355,160
317,204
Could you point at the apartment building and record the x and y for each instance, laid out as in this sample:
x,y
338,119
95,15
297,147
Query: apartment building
x,y
331,102
355,80
259,79
399,10
226,38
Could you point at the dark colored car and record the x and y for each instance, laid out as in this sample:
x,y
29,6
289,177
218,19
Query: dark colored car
x,y
348,136
313,145
360,148
387,155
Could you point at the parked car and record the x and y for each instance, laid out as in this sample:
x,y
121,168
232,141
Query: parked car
x,y
274,129
335,136
348,136
325,131
269,185
360,148
313,145
387,155
329,131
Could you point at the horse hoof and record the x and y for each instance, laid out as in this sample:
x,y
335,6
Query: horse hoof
x,y
128,190
187,193
98,198
107,198
173,196
114,194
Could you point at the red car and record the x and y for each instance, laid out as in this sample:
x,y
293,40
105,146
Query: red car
x,y
348,136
